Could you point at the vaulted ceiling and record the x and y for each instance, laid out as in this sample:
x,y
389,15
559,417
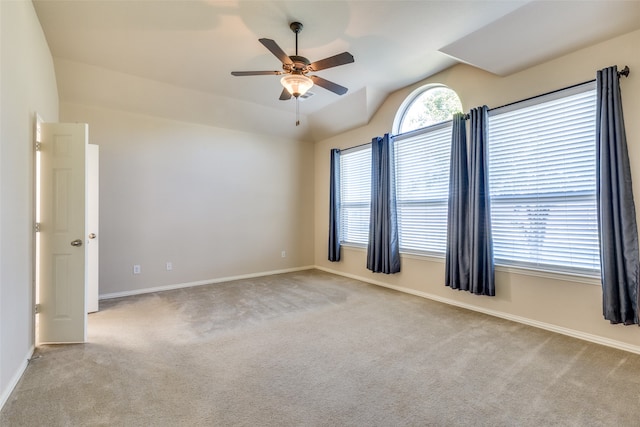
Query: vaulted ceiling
x,y
174,57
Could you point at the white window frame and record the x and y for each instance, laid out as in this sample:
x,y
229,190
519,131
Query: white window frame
x,y
408,103
422,189
570,217
355,197
422,238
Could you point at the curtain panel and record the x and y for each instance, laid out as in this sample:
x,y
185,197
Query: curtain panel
x,y
334,207
383,250
617,226
457,252
481,263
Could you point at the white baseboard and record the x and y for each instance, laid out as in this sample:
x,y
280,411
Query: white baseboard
x,y
201,283
530,322
4,397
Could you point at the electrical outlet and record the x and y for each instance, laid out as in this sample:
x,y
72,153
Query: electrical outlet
x,y
136,269
284,254
169,266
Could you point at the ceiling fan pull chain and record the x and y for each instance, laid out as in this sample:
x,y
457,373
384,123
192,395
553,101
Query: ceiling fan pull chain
x,y
297,111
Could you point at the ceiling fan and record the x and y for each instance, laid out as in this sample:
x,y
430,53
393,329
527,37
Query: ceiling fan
x,y
295,68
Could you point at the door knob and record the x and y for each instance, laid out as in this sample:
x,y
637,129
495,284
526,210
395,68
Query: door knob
x,y
92,235
76,242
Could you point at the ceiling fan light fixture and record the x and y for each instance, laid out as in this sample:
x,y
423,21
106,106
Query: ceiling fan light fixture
x,y
296,84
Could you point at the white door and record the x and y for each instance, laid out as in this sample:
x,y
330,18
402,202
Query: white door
x,y
93,190
62,248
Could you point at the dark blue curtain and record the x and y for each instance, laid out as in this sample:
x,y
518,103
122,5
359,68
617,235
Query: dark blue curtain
x,y
457,254
616,209
334,206
481,265
383,251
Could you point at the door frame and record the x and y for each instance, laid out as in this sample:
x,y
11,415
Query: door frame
x,y
35,257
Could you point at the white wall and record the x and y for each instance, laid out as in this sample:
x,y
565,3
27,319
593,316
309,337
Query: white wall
x,y
216,203
27,86
564,305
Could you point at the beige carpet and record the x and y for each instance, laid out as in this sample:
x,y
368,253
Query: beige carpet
x,y
314,349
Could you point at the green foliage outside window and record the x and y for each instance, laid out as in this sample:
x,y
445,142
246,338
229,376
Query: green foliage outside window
x,y
434,105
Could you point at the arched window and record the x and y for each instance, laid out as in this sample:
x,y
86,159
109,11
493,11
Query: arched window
x,y
426,106
422,150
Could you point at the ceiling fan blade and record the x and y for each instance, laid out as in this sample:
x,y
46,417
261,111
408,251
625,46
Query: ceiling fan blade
x,y
256,73
275,49
331,86
332,61
285,95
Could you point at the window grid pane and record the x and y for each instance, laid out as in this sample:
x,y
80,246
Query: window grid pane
x,y
542,181
355,196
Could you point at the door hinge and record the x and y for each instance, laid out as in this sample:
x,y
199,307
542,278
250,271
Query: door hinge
x,y
36,227
38,146
37,308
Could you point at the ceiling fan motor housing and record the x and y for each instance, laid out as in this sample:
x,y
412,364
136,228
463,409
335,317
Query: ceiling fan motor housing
x,y
300,64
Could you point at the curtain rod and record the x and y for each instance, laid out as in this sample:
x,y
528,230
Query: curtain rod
x,y
624,72
413,131
353,148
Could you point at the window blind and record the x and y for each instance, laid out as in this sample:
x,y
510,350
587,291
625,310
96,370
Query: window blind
x,y
422,188
542,179
355,195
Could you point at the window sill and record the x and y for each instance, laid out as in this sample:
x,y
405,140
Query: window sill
x,y
403,254
553,275
423,256
354,246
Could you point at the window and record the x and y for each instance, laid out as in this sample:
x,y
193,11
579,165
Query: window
x,y
422,189
427,106
422,168
542,179
355,195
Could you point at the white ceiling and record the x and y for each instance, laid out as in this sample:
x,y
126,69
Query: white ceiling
x,y
194,45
